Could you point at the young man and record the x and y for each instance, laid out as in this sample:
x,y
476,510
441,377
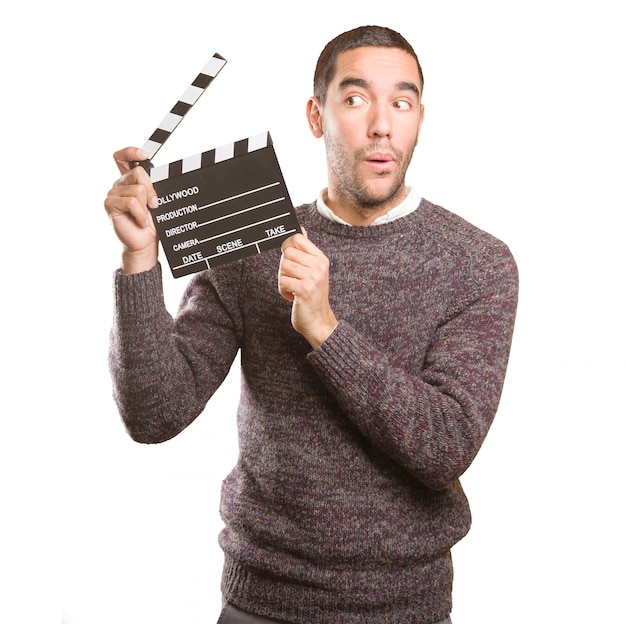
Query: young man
x,y
373,352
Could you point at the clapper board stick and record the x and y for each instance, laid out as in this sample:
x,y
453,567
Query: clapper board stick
x,y
180,109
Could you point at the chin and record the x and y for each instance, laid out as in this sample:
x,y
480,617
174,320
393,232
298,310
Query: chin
x,y
390,195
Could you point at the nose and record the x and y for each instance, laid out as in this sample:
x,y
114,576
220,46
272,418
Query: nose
x,y
379,121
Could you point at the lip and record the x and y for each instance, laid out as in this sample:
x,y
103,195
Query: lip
x,y
380,157
380,162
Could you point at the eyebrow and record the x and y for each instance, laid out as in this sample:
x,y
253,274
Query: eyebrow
x,y
403,85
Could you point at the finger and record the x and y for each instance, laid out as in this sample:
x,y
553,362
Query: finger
x,y
131,190
287,287
124,157
295,262
309,258
302,273
129,207
130,200
288,242
282,289
135,175
290,269
300,241
138,176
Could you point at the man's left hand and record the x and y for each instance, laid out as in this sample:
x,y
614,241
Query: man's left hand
x,y
303,278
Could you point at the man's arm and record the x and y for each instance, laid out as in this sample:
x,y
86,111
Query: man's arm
x,y
165,371
160,383
433,423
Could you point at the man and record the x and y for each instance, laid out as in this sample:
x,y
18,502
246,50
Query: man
x,y
373,352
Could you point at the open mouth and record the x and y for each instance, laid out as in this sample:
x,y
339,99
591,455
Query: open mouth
x,y
380,158
380,162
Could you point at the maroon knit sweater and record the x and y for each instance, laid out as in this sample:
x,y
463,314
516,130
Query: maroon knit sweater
x,y
345,501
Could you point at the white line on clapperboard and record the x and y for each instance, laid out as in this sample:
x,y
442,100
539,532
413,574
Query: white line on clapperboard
x,y
232,214
227,199
255,243
239,212
245,227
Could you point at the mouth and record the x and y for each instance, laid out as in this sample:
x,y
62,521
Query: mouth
x,y
380,161
379,157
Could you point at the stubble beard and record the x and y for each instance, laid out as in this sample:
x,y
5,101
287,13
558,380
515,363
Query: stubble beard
x,y
354,191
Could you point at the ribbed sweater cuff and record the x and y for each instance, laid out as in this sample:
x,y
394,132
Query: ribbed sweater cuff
x,y
343,358
140,295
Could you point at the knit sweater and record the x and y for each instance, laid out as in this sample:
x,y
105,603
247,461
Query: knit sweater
x,y
345,500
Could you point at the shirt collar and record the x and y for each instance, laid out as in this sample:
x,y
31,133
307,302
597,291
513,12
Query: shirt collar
x,y
405,207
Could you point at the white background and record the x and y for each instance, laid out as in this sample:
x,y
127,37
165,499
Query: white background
x,y
524,136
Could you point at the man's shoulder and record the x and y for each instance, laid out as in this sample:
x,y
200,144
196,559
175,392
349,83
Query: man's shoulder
x,y
302,210
457,234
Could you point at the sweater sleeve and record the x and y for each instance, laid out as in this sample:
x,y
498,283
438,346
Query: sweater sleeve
x,y
432,423
162,378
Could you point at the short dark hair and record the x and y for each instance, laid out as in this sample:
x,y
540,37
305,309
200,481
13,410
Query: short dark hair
x,y
375,36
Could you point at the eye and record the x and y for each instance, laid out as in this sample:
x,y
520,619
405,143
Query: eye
x,y
354,100
402,105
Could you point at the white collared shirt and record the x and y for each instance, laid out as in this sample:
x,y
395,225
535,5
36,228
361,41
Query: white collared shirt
x,y
405,207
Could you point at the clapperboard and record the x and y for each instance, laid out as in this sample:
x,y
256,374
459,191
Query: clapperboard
x,y
222,205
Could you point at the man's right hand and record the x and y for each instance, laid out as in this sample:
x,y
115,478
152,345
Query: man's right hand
x,y
127,204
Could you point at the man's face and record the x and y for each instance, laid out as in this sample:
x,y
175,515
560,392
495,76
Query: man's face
x,y
370,122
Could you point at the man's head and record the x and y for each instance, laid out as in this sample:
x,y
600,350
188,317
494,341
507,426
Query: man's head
x,y
376,36
367,106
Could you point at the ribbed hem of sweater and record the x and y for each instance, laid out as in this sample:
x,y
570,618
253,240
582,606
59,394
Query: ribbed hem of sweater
x,y
296,603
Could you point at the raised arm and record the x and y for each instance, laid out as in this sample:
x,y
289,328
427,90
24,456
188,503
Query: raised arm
x,y
160,383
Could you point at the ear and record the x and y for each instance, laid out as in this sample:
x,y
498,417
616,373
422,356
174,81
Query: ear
x,y
314,116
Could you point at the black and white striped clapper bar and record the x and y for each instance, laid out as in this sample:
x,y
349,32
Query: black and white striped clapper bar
x,y
184,104
222,205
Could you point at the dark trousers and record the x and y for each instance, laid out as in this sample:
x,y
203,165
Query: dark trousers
x,y
232,615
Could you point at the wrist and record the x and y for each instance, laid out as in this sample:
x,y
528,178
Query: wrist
x,y
138,261
321,333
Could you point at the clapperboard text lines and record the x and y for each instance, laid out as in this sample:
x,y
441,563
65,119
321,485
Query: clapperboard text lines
x,y
245,227
280,232
235,244
170,215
